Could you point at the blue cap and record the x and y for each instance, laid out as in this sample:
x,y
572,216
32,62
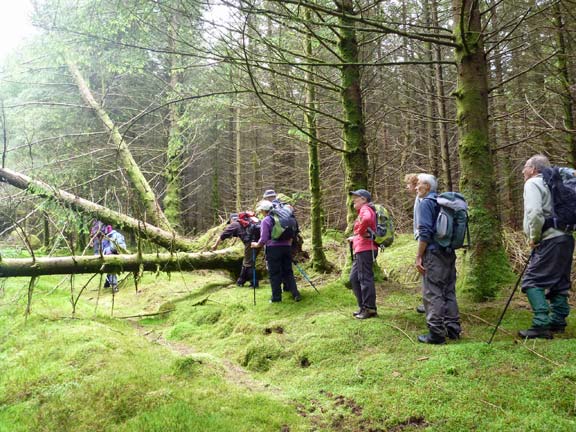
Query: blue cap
x,y
362,193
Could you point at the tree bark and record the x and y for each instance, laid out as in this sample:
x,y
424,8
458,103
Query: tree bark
x,y
441,105
156,235
356,156
563,76
487,266
319,261
174,157
180,261
145,192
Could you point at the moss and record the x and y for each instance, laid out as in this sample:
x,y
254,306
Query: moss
x,y
186,367
259,355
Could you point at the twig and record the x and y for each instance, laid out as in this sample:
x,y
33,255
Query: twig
x,y
401,331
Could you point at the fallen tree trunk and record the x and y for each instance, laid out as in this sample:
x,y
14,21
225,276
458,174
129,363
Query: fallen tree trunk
x,y
179,261
156,235
143,188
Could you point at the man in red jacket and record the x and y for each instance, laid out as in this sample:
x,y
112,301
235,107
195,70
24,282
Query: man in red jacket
x,y
365,252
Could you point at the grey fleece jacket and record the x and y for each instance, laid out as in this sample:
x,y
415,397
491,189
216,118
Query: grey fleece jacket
x,y
538,207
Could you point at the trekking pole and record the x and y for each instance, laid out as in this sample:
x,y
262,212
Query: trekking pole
x,y
511,295
351,251
254,273
305,276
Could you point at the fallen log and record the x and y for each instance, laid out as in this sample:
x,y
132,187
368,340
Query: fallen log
x,y
225,259
142,229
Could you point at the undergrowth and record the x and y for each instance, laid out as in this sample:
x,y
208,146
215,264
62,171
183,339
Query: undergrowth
x,y
212,360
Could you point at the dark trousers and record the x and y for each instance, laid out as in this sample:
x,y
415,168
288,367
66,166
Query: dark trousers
x,y
279,261
547,281
362,279
439,292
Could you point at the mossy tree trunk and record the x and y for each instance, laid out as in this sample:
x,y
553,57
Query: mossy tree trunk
x,y
563,78
443,134
145,230
175,152
238,152
153,212
180,261
356,156
488,266
319,261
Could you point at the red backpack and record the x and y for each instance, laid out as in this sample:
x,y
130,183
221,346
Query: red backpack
x,y
251,225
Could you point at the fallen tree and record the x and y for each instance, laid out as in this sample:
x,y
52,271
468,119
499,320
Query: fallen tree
x,y
226,259
161,237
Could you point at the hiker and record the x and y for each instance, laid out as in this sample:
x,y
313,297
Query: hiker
x,y
411,181
96,232
437,265
112,244
278,255
270,195
365,252
546,281
246,229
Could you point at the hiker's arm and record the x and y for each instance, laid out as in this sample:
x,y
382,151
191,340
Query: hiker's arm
x,y
426,215
366,220
422,245
265,229
533,213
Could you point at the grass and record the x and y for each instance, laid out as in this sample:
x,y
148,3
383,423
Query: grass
x,y
222,363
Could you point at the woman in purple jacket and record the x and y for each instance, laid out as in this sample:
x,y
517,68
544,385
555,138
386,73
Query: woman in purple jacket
x,y
278,256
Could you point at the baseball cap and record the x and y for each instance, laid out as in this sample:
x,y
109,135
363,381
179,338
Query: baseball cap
x,y
363,193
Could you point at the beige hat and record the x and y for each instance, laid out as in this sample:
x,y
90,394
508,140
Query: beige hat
x,y
264,206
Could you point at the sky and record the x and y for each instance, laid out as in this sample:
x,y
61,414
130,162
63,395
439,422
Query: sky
x,y
15,24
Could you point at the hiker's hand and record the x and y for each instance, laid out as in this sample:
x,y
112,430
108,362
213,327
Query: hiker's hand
x,y
254,245
419,265
350,239
533,245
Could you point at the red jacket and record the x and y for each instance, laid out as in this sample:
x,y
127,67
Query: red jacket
x,y
366,219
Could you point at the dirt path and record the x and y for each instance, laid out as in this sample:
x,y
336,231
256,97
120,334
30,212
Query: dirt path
x,y
232,372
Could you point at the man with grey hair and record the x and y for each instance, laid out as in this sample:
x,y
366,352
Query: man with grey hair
x,y
437,265
546,281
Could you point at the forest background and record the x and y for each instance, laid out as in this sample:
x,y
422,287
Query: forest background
x,y
180,112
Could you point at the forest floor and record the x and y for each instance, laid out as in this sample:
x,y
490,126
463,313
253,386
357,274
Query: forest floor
x,y
211,360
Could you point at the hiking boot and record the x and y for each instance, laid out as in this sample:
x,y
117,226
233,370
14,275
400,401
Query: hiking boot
x,y
432,339
452,334
366,313
297,297
274,301
420,309
358,312
557,328
536,332
115,288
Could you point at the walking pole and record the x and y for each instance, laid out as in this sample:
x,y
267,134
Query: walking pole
x,y
511,295
305,276
254,273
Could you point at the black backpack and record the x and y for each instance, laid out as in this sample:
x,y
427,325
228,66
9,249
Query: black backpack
x,y
563,200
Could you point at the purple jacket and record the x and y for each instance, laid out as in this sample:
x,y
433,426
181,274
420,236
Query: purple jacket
x,y
266,234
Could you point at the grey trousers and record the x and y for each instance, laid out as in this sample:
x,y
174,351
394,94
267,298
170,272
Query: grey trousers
x,y
362,279
439,292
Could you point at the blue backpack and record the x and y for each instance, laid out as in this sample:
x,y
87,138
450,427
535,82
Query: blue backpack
x,y
563,189
452,221
285,224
